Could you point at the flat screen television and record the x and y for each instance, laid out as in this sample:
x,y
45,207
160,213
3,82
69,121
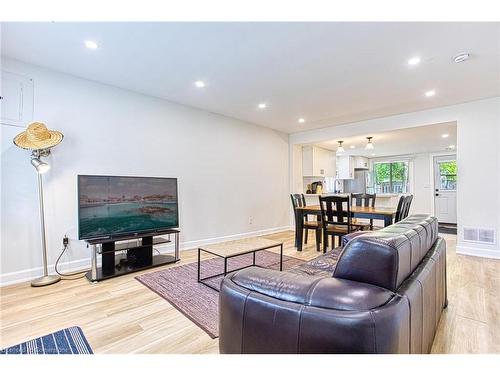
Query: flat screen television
x,y
114,206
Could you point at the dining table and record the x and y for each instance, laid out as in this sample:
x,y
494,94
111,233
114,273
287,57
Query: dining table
x,y
386,214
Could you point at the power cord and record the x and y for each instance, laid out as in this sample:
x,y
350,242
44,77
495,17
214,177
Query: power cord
x,y
68,276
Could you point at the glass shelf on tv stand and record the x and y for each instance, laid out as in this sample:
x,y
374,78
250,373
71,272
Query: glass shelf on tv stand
x,y
134,241
127,244
134,236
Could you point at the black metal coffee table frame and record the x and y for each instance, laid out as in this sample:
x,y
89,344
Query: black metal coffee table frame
x,y
202,280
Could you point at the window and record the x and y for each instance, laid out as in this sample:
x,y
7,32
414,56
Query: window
x,y
391,177
448,175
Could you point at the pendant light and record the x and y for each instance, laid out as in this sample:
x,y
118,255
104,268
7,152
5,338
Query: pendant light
x,y
369,145
340,150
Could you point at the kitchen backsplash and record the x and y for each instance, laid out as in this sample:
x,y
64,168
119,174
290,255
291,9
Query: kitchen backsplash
x,y
328,183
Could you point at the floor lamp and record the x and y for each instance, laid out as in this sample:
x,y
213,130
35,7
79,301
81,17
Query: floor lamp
x,y
40,140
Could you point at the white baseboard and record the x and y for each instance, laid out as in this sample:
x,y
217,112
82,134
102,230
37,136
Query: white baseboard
x,y
81,264
475,252
32,273
208,241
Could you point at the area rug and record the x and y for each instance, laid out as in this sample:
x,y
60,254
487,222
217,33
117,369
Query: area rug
x,y
199,303
66,341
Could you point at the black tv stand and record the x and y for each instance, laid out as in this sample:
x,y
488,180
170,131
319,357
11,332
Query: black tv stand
x,y
136,253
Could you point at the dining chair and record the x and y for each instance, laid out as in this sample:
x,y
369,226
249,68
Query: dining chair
x,y
403,207
298,200
336,218
363,200
409,199
400,209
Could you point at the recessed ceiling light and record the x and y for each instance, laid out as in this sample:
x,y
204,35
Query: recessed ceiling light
x,y
262,105
90,44
199,84
430,93
414,61
445,135
461,57
374,154
451,146
352,146
302,120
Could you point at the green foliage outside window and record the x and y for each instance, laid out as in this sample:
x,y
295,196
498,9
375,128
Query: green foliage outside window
x,y
448,168
448,175
391,177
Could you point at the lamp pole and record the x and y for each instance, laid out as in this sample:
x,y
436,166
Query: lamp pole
x,y
46,279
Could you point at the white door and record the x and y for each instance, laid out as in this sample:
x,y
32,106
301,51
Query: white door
x,y
445,188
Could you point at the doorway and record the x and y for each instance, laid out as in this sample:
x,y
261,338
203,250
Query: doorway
x,y
445,189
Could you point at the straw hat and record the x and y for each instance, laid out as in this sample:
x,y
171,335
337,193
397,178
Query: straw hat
x,y
38,137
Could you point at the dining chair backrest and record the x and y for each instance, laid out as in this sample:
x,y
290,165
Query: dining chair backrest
x,y
403,207
409,198
400,209
298,200
335,210
361,199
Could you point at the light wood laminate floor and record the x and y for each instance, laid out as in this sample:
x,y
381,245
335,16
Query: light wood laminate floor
x,y
122,316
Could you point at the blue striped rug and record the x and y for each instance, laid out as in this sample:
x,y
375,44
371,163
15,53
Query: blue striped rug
x,y
67,341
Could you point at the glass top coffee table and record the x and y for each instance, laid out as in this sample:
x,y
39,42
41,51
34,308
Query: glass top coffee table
x,y
231,249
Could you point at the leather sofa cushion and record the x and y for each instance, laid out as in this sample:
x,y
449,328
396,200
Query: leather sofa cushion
x,y
320,266
388,256
329,293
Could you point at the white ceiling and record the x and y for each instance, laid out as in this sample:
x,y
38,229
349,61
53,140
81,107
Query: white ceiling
x,y
417,140
328,73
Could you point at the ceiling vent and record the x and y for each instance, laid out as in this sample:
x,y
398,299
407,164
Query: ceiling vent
x,y
479,235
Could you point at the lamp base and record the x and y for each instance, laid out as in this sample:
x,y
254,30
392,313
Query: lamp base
x,y
45,280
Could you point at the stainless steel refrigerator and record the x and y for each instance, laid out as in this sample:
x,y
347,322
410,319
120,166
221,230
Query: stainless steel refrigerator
x,y
360,183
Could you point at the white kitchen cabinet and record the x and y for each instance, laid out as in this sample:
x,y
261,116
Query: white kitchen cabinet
x,y
317,162
16,99
345,167
361,162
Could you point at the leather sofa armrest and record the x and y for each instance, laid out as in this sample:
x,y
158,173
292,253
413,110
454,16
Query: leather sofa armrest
x,y
353,235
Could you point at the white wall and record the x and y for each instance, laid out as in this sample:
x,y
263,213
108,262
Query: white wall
x,y
478,159
228,170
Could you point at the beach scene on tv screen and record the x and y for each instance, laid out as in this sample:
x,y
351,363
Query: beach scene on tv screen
x,y
117,205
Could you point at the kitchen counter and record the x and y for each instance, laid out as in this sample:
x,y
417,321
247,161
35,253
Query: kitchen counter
x,y
325,194
312,199
385,195
383,200
315,195
387,200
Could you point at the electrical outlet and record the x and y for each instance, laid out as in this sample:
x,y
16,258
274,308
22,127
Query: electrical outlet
x,y
65,240
250,220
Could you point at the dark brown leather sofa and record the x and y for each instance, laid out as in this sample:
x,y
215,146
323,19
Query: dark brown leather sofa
x,y
383,293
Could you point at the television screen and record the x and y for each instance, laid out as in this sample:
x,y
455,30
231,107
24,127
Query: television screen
x,y
110,206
